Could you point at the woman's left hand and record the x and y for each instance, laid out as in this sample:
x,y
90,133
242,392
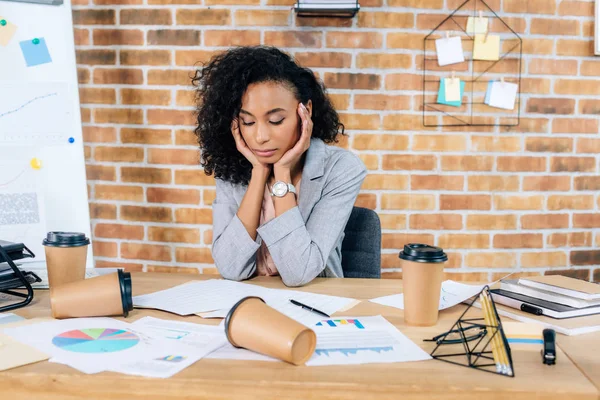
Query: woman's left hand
x,y
292,156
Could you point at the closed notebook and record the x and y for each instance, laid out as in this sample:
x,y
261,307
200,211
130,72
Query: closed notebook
x,y
564,285
540,307
513,285
566,326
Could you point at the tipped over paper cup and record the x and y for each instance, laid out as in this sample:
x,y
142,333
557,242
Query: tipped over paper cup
x,y
102,296
253,325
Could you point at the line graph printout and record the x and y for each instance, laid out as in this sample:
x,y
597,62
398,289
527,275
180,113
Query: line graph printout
x,y
22,217
373,340
35,113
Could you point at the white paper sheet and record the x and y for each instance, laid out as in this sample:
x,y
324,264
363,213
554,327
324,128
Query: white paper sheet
x,y
503,95
194,342
198,296
362,340
93,345
198,335
449,50
8,318
218,296
452,293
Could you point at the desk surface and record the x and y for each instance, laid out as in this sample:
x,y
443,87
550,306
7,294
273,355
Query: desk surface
x,y
217,379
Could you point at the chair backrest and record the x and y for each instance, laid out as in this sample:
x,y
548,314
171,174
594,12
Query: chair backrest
x,y
361,247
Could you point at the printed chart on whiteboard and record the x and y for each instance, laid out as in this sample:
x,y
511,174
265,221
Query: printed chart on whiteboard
x,y
22,216
35,114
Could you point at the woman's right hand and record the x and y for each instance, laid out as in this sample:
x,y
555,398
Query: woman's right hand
x,y
243,148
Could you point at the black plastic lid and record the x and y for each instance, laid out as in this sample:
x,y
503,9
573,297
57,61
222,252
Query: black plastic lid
x,y
230,313
423,253
65,239
126,291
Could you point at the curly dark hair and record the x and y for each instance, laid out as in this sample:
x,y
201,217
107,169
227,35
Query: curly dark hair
x,y
222,82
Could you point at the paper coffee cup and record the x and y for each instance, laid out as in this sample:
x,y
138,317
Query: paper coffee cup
x,y
422,275
253,325
102,296
66,254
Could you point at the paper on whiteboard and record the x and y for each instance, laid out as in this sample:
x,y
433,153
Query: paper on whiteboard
x,y
452,293
22,212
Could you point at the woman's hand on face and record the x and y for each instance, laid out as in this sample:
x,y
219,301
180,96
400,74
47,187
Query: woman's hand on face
x,y
293,155
243,148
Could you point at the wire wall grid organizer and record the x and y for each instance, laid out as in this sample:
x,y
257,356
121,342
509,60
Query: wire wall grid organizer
x,y
327,8
475,73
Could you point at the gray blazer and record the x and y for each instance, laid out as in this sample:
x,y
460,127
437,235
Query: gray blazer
x,y
304,242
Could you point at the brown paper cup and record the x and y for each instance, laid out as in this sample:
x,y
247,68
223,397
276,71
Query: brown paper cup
x,y
66,254
255,326
65,264
421,283
106,295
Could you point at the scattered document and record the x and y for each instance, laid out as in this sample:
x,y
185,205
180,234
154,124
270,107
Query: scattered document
x,y
477,25
452,293
503,95
486,47
362,340
13,353
7,31
441,98
196,342
9,318
215,297
35,52
198,335
92,345
199,296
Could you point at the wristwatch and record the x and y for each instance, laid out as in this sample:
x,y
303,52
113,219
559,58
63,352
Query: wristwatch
x,y
280,189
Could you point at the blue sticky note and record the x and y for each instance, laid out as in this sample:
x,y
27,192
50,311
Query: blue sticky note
x,y
441,99
35,51
488,92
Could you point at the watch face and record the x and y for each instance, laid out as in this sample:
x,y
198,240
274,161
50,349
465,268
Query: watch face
x,y
280,189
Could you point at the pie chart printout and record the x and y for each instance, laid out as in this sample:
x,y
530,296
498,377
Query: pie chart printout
x,y
96,340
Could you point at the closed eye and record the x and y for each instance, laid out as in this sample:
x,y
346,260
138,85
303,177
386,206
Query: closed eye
x,y
247,123
277,122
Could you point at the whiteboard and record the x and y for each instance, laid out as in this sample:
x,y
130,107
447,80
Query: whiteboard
x,y
42,166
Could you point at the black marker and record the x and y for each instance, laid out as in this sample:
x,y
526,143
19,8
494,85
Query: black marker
x,y
531,309
297,303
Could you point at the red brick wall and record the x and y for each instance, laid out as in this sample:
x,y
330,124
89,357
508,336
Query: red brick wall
x,y
497,200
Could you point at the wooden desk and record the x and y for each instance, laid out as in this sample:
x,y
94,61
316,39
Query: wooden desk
x,y
219,379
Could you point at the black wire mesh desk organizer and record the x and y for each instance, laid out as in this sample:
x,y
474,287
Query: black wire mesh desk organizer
x,y
470,341
473,111
12,277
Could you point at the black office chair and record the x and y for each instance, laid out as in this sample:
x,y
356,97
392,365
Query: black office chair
x,y
361,247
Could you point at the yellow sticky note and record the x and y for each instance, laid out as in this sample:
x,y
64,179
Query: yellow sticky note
x,y
452,87
477,25
486,49
7,31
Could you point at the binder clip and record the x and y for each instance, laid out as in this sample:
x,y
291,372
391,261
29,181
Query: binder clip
x,y
549,351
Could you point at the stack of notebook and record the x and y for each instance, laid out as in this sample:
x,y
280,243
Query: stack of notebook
x,y
554,296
